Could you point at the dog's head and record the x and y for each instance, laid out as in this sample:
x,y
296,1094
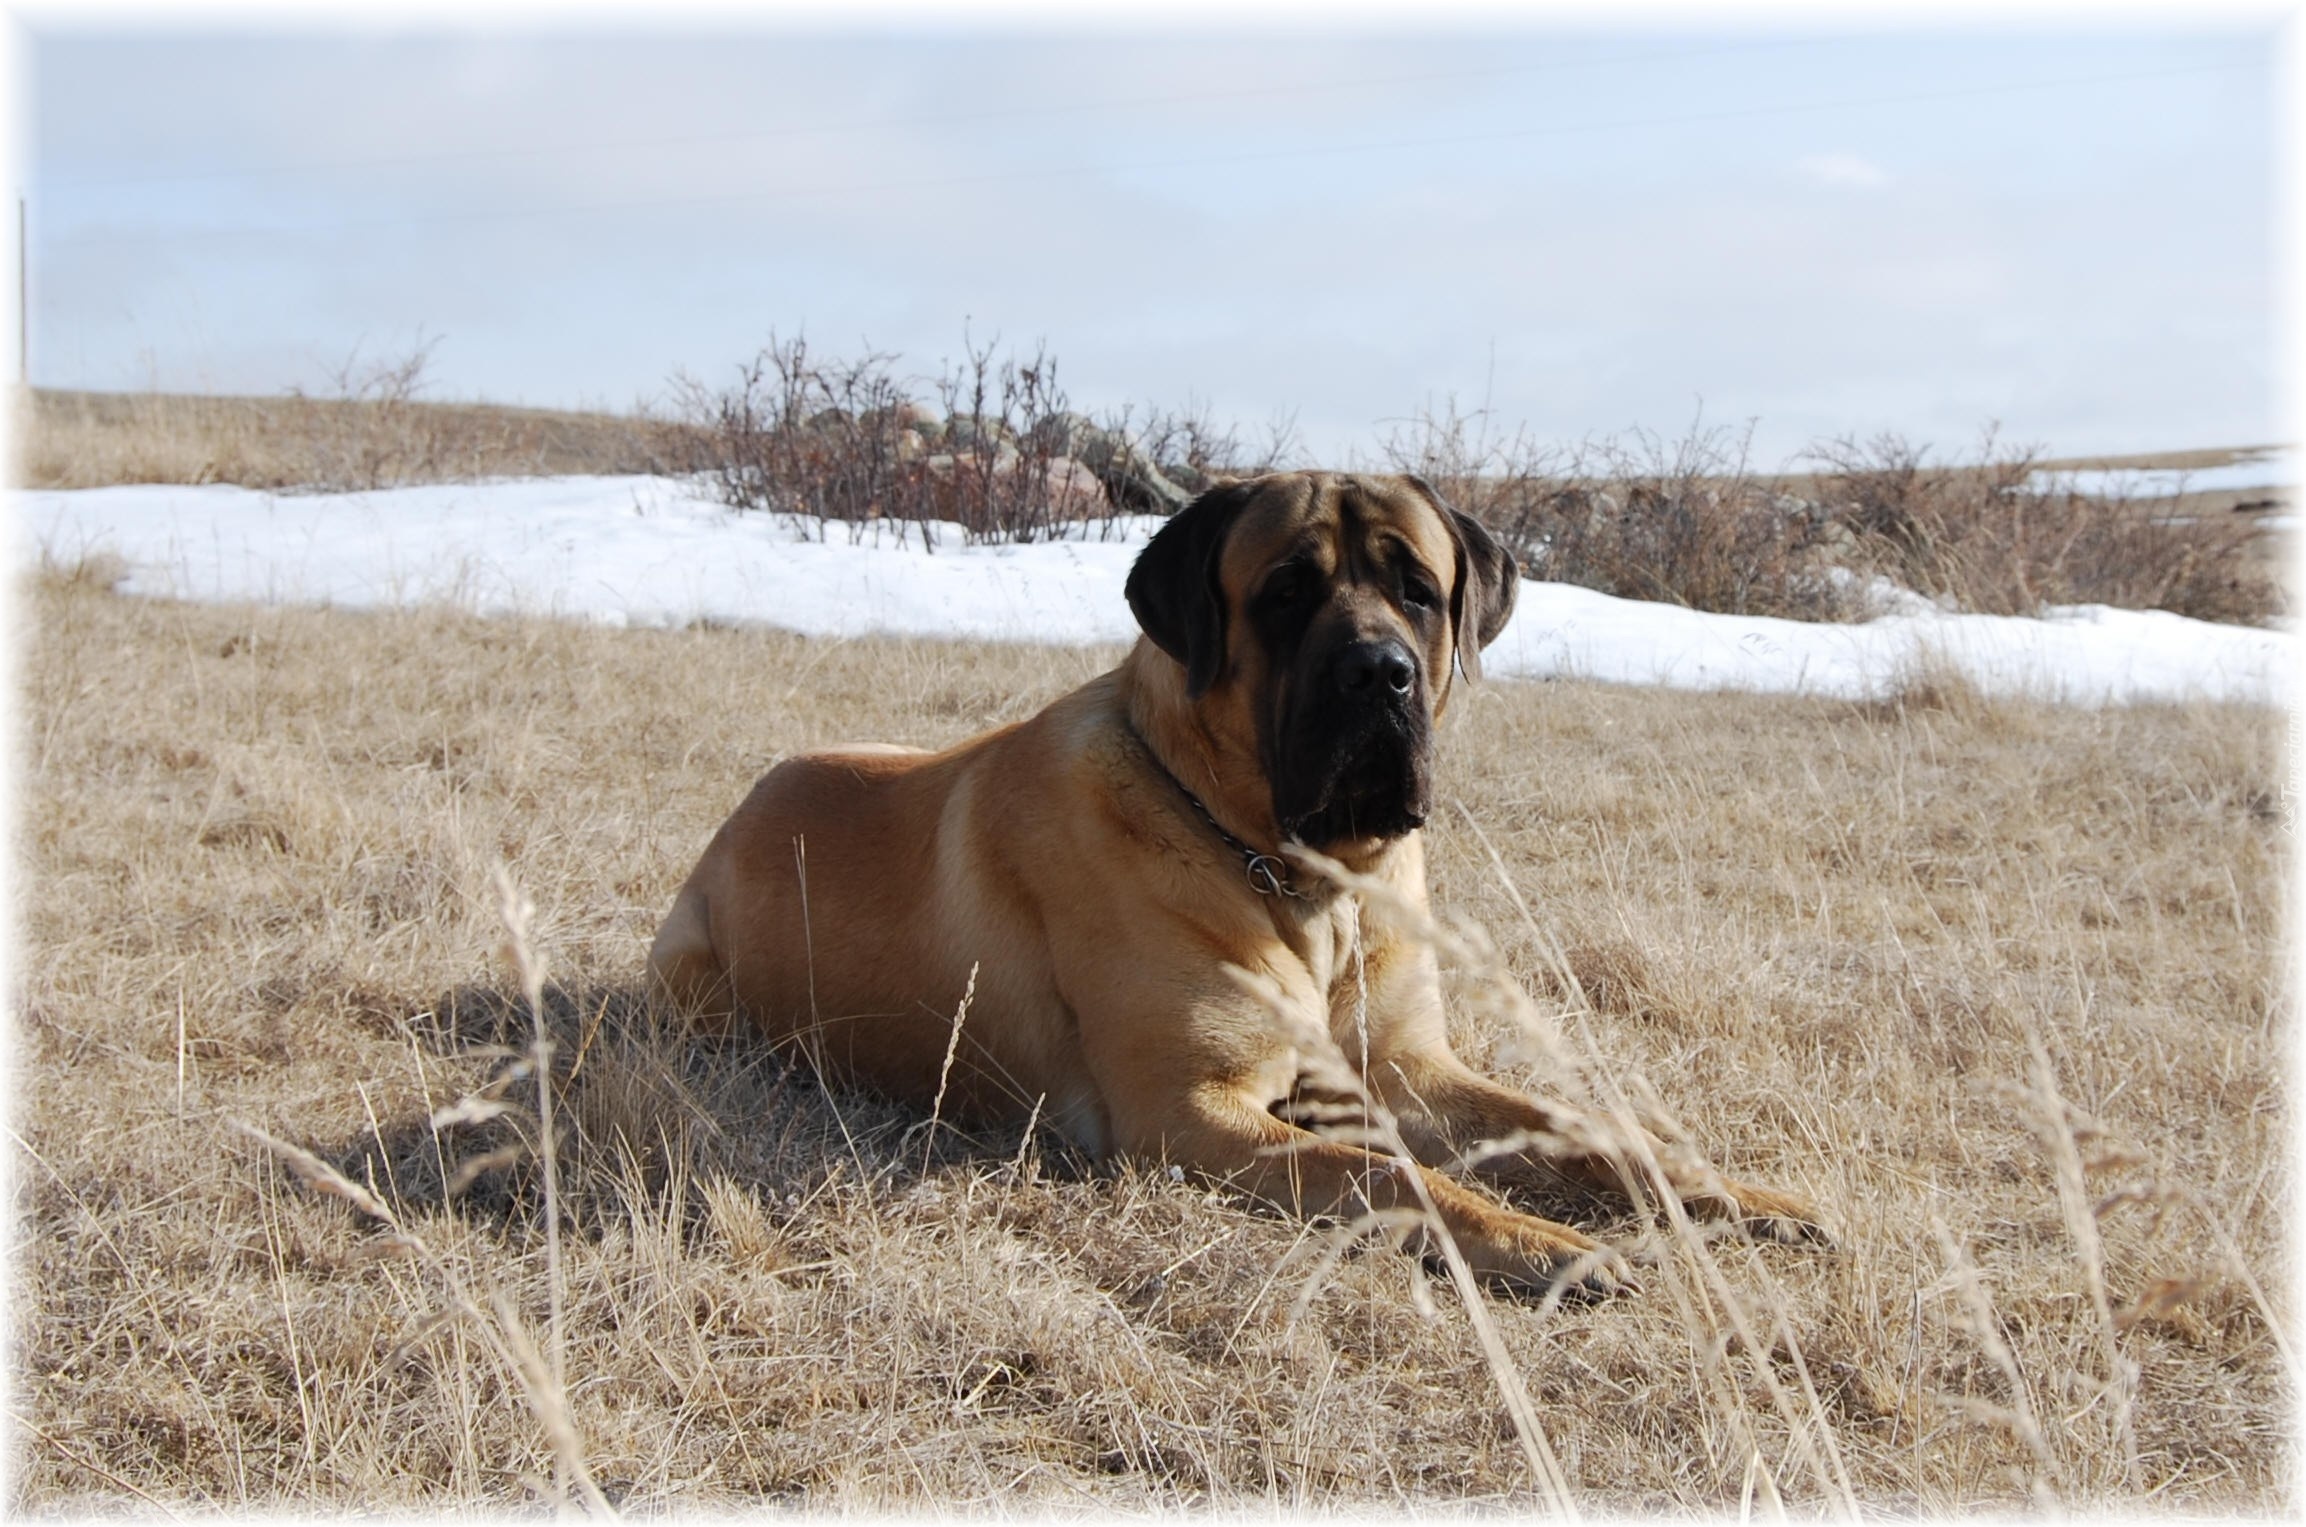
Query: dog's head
x,y
1327,612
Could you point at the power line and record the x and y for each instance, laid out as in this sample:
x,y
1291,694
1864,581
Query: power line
x,y
886,124
804,193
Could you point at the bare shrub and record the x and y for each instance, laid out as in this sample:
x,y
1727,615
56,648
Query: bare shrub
x,y
1196,451
1000,453
382,439
1689,522
849,441
801,434
1008,431
1996,537
1686,523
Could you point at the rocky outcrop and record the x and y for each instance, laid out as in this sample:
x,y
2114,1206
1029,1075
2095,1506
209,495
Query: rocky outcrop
x,y
1131,478
1092,469
1072,489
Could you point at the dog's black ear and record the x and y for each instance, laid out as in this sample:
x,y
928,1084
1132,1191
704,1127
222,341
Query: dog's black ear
x,y
1488,582
1173,587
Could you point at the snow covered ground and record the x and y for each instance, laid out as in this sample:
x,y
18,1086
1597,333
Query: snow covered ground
x,y
652,551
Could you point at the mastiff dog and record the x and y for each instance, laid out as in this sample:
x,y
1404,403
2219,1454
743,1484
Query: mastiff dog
x,y
1153,976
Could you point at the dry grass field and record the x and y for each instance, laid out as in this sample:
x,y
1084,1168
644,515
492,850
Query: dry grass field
x,y
71,439
1997,985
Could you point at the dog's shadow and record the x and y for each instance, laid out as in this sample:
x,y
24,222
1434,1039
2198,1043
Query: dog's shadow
x,y
644,1110
650,1120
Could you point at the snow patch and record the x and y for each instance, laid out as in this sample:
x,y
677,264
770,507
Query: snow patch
x,y
657,552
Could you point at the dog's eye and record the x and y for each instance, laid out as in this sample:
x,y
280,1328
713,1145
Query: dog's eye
x,y
1418,593
1285,587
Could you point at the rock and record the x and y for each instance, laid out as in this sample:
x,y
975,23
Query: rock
x,y
1190,477
1129,475
905,418
1073,491
1062,434
969,429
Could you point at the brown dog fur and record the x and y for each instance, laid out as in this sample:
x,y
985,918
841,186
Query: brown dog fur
x,y
846,904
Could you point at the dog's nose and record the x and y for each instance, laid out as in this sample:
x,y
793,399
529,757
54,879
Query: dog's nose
x,y
1368,668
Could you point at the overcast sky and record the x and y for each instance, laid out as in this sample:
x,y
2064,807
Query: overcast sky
x,y
2064,231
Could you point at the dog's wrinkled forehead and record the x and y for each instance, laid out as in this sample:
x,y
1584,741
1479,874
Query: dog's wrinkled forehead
x,y
1335,523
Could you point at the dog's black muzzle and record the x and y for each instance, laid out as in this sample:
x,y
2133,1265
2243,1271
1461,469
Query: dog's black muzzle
x,y
1354,745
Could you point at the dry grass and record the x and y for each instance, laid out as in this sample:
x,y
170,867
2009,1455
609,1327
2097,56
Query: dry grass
x,y
94,439
1997,985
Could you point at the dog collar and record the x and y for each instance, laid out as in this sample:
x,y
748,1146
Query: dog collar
x,y
1268,873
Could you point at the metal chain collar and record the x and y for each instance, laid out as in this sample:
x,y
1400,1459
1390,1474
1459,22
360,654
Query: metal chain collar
x,y
1268,873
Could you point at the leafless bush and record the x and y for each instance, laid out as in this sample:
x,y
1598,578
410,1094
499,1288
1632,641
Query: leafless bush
x,y
1689,522
1685,523
1194,450
849,441
1995,537
800,434
371,432
999,453
1011,443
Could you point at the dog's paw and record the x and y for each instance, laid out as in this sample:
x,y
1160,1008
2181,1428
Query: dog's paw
x,y
1540,1257
1763,1213
1598,1274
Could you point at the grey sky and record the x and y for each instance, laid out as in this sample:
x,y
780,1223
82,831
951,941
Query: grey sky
x,y
2067,232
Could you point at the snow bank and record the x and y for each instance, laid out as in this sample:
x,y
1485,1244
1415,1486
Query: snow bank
x,y
651,551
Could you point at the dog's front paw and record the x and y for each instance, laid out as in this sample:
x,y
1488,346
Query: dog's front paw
x,y
1763,1213
1538,1256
